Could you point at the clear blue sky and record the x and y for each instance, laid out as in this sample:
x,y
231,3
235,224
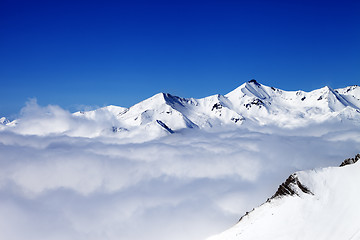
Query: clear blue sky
x,y
95,53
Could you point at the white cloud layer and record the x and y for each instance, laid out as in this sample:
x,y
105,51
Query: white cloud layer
x,y
188,185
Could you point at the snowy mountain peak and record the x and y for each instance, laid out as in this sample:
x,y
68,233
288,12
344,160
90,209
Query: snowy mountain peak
x,y
4,121
251,89
175,101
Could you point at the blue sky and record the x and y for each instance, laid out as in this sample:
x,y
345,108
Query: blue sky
x,y
95,53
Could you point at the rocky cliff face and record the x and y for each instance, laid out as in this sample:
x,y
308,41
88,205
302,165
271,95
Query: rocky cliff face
x,y
350,160
292,186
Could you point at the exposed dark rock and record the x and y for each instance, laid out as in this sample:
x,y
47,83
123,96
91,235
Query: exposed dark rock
x,y
173,100
252,81
350,160
319,98
302,99
123,112
351,88
291,187
119,129
246,213
164,126
256,102
235,120
255,82
216,106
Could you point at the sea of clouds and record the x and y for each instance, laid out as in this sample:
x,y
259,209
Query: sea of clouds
x,y
62,178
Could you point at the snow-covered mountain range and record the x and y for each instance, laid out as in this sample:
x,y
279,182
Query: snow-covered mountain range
x,y
250,103
317,204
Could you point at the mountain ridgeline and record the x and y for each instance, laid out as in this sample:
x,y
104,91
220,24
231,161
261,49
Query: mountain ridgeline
x,y
251,102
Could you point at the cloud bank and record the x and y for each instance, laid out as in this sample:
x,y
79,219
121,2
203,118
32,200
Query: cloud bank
x,y
188,185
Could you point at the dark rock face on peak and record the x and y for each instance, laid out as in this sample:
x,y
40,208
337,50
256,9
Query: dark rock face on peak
x,y
350,160
173,100
254,81
291,187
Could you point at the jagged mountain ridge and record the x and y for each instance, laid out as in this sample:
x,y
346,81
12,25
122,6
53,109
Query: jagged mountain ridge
x,y
317,204
251,102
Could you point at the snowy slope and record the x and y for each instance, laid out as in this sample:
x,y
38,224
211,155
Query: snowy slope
x,y
268,105
111,110
319,204
250,103
351,94
179,113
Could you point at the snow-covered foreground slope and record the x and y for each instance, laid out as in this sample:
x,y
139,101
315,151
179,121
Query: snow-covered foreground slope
x,y
250,104
320,204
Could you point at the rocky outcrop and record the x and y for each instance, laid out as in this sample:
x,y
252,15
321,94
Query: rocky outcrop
x,y
292,186
162,124
350,160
